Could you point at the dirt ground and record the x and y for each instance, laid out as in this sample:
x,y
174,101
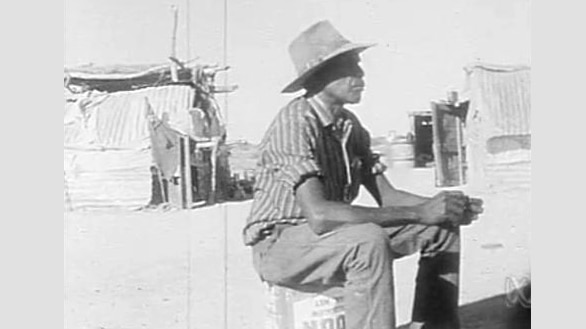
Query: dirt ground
x,y
189,269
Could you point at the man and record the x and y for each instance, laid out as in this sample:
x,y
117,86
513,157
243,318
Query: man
x,y
305,233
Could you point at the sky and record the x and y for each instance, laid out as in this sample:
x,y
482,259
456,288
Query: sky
x,y
422,47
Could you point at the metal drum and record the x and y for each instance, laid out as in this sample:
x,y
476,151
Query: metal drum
x,y
402,154
290,309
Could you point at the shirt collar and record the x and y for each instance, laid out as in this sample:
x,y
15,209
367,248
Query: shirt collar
x,y
324,113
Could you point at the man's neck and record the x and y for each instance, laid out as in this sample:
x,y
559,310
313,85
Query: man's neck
x,y
330,103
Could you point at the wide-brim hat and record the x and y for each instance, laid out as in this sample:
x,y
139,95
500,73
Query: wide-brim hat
x,y
314,47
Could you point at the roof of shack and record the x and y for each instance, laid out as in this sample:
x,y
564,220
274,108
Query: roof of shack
x,y
112,78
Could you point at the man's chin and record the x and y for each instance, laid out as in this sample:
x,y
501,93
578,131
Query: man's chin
x,y
355,100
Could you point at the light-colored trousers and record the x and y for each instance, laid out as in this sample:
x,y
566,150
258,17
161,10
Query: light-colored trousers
x,y
360,258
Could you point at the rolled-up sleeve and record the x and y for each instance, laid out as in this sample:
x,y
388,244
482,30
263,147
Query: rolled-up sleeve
x,y
292,148
296,173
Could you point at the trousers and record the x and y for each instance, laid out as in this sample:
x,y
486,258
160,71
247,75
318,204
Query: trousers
x,y
359,258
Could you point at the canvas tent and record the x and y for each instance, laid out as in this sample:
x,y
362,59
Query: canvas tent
x,y
128,133
498,124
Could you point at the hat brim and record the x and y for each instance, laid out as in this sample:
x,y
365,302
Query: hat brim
x,y
298,83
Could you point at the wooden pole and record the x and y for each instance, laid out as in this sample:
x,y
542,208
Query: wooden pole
x,y
213,170
225,60
187,176
188,28
182,185
214,165
174,75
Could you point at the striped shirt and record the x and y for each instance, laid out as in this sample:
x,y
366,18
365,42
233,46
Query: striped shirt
x,y
307,140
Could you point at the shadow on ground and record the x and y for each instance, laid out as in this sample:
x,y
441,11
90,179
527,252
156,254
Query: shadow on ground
x,y
495,313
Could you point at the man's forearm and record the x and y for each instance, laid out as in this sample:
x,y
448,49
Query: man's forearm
x,y
324,215
336,214
403,198
394,197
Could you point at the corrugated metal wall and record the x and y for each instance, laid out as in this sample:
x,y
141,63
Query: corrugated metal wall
x,y
107,152
119,120
501,99
500,111
107,179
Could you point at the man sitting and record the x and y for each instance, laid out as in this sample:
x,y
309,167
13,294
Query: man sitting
x,y
304,231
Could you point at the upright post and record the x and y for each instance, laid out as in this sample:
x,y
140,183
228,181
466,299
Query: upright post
x,y
187,175
174,75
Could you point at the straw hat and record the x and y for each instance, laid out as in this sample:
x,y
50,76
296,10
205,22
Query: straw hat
x,y
316,46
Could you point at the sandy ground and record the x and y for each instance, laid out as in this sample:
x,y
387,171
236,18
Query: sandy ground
x,y
189,269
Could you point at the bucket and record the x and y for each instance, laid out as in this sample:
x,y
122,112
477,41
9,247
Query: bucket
x,y
291,309
402,154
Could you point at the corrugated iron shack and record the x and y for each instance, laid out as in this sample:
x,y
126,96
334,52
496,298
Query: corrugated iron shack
x,y
143,135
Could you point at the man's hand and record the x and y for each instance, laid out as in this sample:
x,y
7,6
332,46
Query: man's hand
x,y
453,208
473,209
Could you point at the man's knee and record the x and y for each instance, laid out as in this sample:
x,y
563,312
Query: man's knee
x,y
369,249
367,233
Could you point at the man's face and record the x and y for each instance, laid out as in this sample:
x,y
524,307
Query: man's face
x,y
346,79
